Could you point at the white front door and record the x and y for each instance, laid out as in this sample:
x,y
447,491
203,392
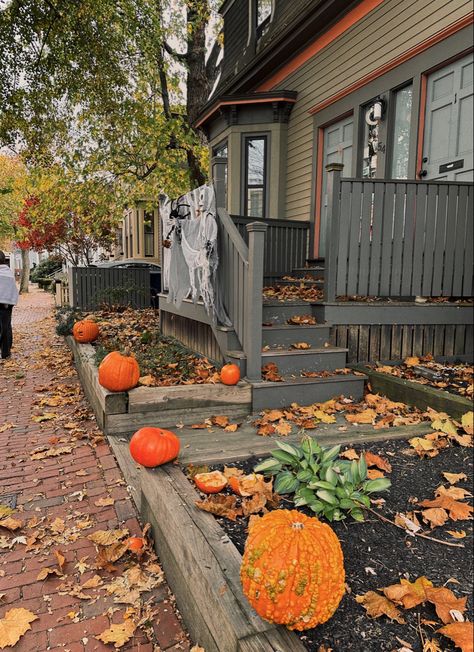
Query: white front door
x,y
448,138
337,149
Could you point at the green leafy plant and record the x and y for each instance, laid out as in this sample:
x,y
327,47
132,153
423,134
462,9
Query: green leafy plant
x,y
66,317
45,268
320,479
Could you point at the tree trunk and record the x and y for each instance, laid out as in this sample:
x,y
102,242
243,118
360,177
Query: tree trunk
x,y
25,271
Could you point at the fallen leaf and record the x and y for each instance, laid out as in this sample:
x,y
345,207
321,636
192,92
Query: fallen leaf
x,y
93,583
147,381
301,345
199,426
408,594
445,601
221,421
7,426
373,474
51,452
467,422
411,362
107,537
408,521
232,427
457,511
445,425
104,502
375,460
378,605
118,634
220,505
110,553
431,646
457,534
231,471
274,415
349,454
458,493
47,416
10,523
366,416
283,428
435,516
300,320
15,623
46,572
254,505
452,478
462,635
5,511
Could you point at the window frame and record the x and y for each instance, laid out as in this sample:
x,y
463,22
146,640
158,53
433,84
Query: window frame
x,y
246,137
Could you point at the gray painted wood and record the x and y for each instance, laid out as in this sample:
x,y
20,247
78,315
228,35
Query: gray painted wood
x,y
333,229
419,244
428,258
388,237
253,301
367,203
92,286
461,240
449,253
376,239
344,216
468,252
407,260
394,287
354,240
440,239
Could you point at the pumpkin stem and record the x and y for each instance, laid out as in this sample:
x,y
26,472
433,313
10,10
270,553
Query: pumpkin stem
x,y
297,525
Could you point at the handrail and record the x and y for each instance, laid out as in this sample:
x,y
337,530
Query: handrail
x,y
233,233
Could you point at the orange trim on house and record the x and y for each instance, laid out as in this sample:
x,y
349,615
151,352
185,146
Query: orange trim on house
x,y
321,42
319,191
421,124
259,100
393,63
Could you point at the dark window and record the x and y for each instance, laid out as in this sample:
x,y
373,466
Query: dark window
x,y
264,12
149,229
401,132
255,175
137,212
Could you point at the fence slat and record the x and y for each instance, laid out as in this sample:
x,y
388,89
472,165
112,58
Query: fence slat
x,y
418,245
428,258
407,259
387,228
343,244
367,204
353,263
461,241
398,229
440,238
468,251
375,249
451,225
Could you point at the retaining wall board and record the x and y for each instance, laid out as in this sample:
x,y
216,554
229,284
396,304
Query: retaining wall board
x,y
416,394
201,564
144,399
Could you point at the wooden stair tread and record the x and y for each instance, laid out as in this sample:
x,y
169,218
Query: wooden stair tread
x,y
326,349
303,380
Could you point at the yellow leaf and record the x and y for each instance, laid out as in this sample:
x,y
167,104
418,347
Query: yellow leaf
x,y
445,425
12,627
283,427
422,443
301,345
431,646
457,534
411,362
366,416
93,583
349,454
377,605
107,537
462,635
104,502
324,417
452,478
46,572
467,422
232,427
118,634
47,416
5,511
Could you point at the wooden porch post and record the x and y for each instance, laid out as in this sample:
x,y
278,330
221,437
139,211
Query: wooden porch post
x,y
254,301
333,226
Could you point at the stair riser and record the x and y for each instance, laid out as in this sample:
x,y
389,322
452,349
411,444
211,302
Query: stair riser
x,y
280,314
308,284
275,396
315,273
317,337
294,364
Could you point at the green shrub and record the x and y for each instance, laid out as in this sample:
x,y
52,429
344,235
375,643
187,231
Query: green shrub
x,y
66,318
45,268
319,478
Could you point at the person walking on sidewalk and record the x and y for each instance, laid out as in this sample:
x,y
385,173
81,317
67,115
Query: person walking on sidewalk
x,y
8,299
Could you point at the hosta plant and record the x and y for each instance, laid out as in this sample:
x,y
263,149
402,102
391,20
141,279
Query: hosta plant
x,y
318,478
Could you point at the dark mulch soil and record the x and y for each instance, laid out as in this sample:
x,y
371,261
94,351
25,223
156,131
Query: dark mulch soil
x,y
378,554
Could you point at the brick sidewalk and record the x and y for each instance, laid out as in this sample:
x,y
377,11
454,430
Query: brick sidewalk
x,y
56,504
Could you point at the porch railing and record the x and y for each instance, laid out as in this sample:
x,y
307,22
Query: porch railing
x,y
241,282
398,238
286,244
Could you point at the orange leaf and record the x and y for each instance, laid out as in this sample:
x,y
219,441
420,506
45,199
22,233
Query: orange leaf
x,y
457,511
373,474
366,416
462,635
445,601
409,594
376,460
435,516
377,605
221,505
349,454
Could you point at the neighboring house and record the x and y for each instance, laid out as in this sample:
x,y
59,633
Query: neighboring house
x,y
138,236
383,91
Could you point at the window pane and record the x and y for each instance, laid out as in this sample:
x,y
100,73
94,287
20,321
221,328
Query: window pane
x,y
255,202
264,10
401,133
149,225
221,150
369,144
255,161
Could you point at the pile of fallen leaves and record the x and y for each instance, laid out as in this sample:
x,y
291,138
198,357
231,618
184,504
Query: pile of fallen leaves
x,y
163,360
301,292
374,410
389,601
454,378
446,431
255,494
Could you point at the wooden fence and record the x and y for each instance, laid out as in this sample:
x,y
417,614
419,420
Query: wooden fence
x,y
398,238
286,244
93,287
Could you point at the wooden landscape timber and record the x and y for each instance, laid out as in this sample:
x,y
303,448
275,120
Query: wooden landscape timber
x,y
415,394
125,412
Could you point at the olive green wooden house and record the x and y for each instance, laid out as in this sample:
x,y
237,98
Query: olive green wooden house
x,y
341,138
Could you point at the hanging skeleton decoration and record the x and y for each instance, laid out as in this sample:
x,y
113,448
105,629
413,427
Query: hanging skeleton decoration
x,y
190,257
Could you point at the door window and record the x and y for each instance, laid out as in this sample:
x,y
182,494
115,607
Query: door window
x,y
255,175
401,132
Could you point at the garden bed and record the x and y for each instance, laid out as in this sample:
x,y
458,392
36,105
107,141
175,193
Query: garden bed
x,y
378,554
401,383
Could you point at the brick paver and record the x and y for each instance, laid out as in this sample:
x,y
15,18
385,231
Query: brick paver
x,y
66,487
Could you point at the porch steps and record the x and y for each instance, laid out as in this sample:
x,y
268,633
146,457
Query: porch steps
x,y
296,361
286,334
278,312
305,391
316,271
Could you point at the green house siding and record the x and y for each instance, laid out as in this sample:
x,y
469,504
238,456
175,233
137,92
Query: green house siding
x,y
386,33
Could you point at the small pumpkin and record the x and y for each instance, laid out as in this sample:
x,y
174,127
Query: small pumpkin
x,y
85,331
154,446
210,483
292,570
230,374
118,373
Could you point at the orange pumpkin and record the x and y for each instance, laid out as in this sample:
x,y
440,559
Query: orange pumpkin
x,y
118,373
153,446
210,483
85,331
292,570
135,544
230,374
